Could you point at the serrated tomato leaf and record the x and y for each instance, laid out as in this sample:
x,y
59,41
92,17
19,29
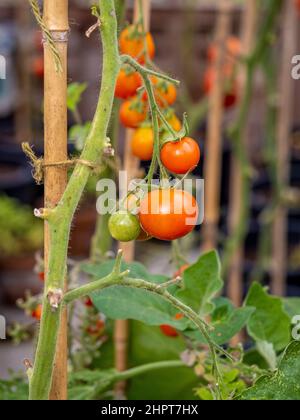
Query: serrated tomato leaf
x,y
269,322
202,281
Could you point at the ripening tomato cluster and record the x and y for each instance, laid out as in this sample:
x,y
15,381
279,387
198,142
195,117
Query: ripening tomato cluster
x,y
165,213
232,52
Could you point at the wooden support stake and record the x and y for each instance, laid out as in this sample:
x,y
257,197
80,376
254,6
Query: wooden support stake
x,y
285,121
213,152
131,166
235,280
55,122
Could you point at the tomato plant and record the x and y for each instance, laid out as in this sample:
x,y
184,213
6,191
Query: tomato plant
x,y
168,214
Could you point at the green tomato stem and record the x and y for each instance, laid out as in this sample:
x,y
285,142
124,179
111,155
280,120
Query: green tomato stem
x,y
61,217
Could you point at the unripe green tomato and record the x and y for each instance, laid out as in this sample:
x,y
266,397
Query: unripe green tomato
x,y
124,226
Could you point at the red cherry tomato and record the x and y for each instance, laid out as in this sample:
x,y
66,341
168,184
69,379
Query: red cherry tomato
x,y
38,67
127,84
168,331
132,43
41,276
88,302
180,157
37,312
168,214
131,114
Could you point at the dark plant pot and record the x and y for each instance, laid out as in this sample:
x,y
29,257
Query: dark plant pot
x,y
15,174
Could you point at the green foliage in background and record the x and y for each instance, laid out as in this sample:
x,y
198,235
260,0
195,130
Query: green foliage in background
x,y
20,232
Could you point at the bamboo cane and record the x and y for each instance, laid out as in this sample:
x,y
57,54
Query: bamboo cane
x,y
285,120
131,165
23,112
213,152
55,122
235,285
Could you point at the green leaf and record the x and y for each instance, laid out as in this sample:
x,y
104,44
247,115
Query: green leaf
x,y
205,394
226,328
78,134
14,389
292,306
120,302
267,351
269,322
284,385
148,344
75,91
202,282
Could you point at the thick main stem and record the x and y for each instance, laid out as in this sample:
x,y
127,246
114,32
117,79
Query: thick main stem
x,y
60,218
55,122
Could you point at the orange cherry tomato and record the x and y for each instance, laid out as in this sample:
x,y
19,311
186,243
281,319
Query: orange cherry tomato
x,y
230,98
96,329
142,143
181,270
175,122
181,156
132,43
37,312
168,214
165,92
233,48
127,84
131,114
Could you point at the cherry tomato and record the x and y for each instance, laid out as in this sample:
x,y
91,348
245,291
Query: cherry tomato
x,y
37,313
181,156
38,67
88,302
41,276
181,270
165,92
124,226
175,122
168,331
142,143
233,48
230,97
132,43
168,214
96,329
132,114
127,84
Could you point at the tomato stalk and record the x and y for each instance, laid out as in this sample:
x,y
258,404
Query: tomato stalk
x,y
122,279
156,113
60,218
237,132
